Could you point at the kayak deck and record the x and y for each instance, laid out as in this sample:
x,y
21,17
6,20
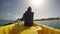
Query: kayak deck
x,y
21,29
28,30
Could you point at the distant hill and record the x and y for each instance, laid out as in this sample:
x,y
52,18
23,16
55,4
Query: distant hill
x,y
57,18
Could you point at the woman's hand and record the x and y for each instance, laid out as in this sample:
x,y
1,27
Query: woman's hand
x,y
21,19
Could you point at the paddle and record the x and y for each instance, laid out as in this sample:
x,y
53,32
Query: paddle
x,y
16,22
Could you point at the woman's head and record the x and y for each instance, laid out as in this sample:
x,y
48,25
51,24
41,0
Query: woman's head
x,y
29,8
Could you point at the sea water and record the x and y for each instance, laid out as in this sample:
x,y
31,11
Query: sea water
x,y
52,23
3,22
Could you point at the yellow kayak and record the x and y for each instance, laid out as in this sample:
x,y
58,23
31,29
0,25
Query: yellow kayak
x,y
21,29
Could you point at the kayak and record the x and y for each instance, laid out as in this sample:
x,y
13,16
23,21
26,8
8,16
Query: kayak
x,y
21,29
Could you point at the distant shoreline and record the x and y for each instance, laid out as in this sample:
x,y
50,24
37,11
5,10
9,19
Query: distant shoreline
x,y
45,20
48,19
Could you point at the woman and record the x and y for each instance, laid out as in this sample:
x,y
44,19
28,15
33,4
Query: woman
x,y
28,17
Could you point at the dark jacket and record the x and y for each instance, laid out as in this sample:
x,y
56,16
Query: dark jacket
x,y
28,18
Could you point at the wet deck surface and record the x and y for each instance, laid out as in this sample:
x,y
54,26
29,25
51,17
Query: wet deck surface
x,y
19,29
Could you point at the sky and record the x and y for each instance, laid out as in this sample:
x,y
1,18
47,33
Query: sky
x,y
14,9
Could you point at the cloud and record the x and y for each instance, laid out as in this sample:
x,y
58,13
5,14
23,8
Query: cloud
x,y
16,16
13,16
7,4
9,13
